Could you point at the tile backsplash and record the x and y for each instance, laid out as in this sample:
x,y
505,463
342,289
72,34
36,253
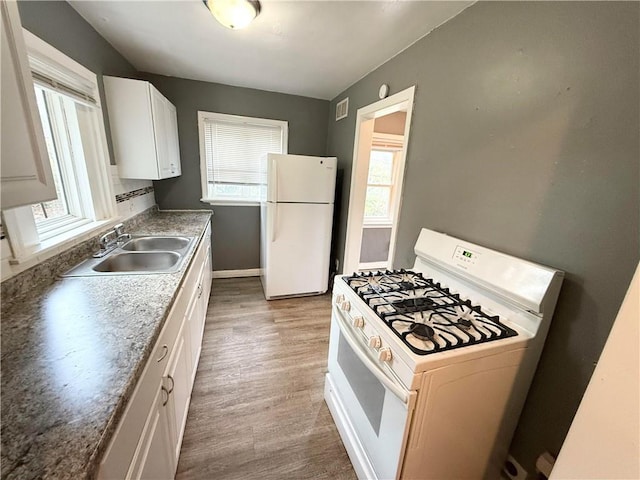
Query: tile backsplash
x,y
132,196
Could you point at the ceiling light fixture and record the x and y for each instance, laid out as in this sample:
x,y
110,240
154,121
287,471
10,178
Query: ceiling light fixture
x,y
233,14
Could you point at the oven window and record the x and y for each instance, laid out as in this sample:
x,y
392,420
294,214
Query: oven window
x,y
367,388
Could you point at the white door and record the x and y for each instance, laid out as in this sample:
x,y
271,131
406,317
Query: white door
x,y
298,240
174,146
297,178
161,132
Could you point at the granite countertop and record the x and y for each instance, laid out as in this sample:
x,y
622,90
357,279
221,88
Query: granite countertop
x,y
72,352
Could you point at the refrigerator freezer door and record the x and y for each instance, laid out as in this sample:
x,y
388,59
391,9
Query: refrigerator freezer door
x,y
297,178
296,247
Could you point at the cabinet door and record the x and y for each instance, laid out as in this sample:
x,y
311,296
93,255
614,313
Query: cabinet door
x,y
161,132
26,171
173,144
195,338
154,458
179,386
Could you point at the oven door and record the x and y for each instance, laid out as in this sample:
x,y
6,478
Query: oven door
x,y
372,409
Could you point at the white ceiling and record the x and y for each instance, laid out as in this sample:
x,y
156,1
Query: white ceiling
x,y
311,48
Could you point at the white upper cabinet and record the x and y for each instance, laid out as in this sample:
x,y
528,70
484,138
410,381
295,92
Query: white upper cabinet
x,y
144,129
26,171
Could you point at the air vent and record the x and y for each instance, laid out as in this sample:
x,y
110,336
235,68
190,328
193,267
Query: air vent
x,y
342,109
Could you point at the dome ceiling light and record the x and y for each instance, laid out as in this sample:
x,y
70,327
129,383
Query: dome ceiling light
x,y
234,14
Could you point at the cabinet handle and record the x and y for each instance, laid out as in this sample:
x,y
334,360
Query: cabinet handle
x,y
199,290
165,350
167,399
173,384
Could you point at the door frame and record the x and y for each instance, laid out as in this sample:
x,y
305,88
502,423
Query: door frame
x,y
365,117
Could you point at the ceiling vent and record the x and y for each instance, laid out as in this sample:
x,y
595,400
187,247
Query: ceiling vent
x,y
342,109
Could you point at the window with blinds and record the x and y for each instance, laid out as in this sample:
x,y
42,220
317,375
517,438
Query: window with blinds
x,y
231,149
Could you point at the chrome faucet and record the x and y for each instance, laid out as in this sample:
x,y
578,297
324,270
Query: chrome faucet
x,y
112,239
121,237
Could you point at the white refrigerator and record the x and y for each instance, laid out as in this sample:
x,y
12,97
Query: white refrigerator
x,y
296,218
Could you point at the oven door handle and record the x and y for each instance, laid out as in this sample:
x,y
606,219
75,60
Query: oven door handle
x,y
395,387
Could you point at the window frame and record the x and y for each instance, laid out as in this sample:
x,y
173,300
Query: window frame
x,y
389,143
28,244
204,116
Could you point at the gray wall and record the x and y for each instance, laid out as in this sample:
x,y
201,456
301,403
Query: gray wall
x,y
524,138
236,230
62,27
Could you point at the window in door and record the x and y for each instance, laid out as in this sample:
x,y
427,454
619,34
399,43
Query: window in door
x,y
231,152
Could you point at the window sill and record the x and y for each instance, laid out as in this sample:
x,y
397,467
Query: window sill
x,y
377,225
230,203
55,245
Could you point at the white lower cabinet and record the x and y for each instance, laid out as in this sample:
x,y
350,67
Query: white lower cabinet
x,y
154,459
147,441
179,390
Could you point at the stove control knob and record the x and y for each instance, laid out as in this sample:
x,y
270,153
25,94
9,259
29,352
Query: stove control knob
x,y
375,342
339,299
346,305
358,322
385,354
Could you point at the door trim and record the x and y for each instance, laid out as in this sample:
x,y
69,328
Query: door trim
x,y
401,101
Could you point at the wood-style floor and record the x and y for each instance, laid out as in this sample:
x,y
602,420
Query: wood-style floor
x,y
257,409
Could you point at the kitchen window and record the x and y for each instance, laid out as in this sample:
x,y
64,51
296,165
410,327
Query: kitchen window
x,y
231,152
68,103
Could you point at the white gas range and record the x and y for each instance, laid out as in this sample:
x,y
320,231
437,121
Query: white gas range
x,y
429,368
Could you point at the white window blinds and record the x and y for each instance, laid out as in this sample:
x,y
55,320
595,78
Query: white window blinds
x,y
233,150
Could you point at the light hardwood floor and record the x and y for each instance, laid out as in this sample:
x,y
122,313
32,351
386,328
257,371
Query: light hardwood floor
x,y
257,409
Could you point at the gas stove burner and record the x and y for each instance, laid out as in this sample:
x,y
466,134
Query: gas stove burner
x,y
413,304
422,331
465,318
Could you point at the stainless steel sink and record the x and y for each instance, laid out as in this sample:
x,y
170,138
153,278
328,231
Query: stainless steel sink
x,y
138,262
173,244
141,255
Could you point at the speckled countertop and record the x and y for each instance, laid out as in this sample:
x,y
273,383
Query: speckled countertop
x,y
72,352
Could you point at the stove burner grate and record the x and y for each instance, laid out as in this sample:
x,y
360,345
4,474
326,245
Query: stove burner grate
x,y
428,317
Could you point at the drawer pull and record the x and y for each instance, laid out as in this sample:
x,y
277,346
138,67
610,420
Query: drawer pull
x,y
167,399
199,290
165,350
173,384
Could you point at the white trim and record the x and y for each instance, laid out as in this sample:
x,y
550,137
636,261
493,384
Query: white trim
x,y
250,272
60,243
382,224
365,118
230,203
42,55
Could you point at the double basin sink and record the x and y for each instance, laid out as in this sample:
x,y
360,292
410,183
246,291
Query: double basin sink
x,y
140,255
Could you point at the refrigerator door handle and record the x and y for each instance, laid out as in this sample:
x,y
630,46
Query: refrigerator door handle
x,y
274,222
274,179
